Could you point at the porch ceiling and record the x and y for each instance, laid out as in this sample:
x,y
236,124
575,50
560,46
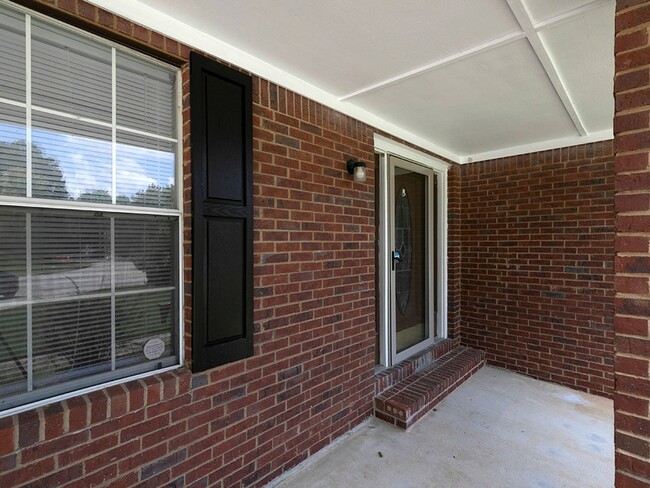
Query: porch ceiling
x,y
502,77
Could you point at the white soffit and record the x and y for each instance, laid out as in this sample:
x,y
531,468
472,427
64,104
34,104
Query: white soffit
x,y
586,63
466,80
504,93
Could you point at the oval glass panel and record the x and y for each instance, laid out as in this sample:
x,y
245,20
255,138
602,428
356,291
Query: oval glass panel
x,y
403,240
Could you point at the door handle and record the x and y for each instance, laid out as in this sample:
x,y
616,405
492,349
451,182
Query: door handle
x,y
397,258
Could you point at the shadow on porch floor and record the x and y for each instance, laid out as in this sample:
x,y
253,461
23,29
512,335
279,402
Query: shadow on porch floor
x,y
499,429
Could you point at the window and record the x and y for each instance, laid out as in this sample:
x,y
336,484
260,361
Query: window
x,y
89,213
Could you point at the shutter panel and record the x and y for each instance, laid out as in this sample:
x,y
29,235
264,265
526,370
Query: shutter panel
x,y
222,208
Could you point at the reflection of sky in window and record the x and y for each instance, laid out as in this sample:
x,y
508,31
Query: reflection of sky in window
x,y
85,167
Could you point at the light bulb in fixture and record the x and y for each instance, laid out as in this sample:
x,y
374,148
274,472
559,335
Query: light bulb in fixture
x,y
358,169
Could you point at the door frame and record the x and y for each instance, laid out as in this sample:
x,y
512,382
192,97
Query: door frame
x,y
385,147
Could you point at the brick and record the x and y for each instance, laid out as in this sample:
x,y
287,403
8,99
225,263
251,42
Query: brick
x,y
631,162
632,59
513,211
7,436
632,464
635,181
624,480
631,80
631,121
636,140
632,97
29,424
87,11
631,284
54,417
631,40
625,4
631,18
630,404
632,244
163,464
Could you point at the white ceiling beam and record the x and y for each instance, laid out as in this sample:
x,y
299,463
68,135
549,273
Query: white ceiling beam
x,y
501,41
526,23
570,15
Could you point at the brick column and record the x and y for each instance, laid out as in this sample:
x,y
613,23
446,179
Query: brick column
x,y
632,147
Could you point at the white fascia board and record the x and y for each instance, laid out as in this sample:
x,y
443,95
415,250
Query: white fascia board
x,y
602,135
171,27
392,147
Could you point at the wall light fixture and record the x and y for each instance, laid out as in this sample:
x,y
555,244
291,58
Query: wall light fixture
x,y
358,169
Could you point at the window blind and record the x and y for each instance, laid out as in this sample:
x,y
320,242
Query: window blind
x,y
89,284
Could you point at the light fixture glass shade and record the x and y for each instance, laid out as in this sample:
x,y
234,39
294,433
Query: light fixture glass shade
x,y
360,174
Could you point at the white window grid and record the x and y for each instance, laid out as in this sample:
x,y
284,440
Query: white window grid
x,y
40,203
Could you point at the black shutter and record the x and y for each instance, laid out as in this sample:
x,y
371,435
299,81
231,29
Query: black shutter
x,y
222,213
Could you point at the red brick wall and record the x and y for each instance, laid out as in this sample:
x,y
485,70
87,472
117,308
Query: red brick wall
x,y
311,377
454,243
632,145
537,264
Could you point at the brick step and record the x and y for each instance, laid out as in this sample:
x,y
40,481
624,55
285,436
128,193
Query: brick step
x,y
406,402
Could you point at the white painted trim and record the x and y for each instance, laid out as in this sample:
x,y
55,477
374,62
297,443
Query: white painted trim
x,y
383,259
89,206
179,184
29,305
384,144
570,15
385,147
28,106
499,42
523,17
112,296
602,135
113,128
431,324
171,27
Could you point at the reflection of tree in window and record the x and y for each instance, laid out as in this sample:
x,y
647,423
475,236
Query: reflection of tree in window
x,y
13,179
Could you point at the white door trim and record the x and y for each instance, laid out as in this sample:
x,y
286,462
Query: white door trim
x,y
385,147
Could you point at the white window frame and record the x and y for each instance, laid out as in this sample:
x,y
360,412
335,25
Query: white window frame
x,y
40,203
385,147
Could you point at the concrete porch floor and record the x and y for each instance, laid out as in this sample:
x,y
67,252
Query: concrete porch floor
x,y
499,429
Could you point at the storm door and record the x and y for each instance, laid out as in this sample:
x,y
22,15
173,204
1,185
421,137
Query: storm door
x,y
412,263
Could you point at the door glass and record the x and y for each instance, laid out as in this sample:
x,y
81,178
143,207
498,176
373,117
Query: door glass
x,y
410,258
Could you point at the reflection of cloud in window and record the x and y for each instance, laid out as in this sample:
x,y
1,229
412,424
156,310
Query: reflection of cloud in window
x,y
135,179
86,162
140,167
80,176
11,133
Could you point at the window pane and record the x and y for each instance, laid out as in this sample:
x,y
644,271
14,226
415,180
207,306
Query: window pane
x,y
145,96
145,171
12,55
13,316
141,318
12,151
70,254
70,73
71,337
146,243
13,350
71,160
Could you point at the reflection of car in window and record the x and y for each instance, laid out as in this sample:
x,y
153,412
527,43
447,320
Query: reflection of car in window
x,y
94,278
